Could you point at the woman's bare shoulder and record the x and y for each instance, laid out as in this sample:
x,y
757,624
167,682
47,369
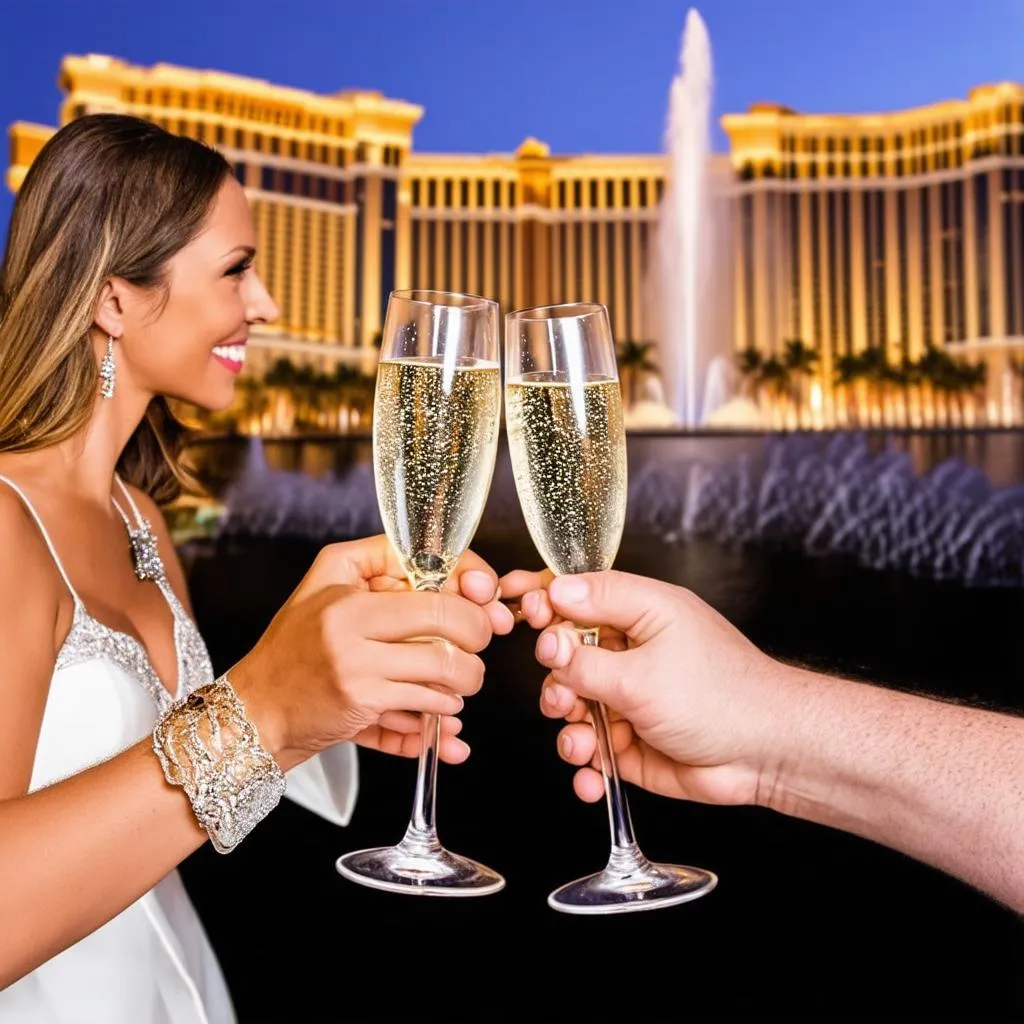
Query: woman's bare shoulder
x,y
27,569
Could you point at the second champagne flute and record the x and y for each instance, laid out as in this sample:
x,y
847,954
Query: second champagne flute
x,y
567,441
436,419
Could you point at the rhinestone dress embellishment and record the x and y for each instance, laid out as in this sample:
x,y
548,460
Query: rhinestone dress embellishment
x,y
145,553
89,638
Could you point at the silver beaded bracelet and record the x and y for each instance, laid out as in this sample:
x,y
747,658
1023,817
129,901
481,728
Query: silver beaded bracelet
x,y
208,746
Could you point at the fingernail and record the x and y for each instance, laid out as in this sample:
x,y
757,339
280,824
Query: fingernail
x,y
565,745
570,589
547,646
556,695
530,603
475,574
509,616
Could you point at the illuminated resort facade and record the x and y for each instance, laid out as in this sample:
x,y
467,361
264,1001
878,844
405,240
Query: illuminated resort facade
x,y
345,211
896,232
899,232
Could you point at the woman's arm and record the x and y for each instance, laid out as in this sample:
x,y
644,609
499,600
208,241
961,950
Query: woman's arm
x,y
333,663
72,855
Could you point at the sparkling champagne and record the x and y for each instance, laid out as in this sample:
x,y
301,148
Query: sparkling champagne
x,y
435,435
568,450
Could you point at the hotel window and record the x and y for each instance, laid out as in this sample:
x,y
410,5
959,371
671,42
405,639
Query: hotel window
x,y
561,195
480,196
627,194
431,193
257,142
184,101
275,144
464,193
609,193
266,179
830,167
183,127
577,194
448,193
593,194
147,97
416,192
239,139
219,134
512,194
642,185
659,189
201,131
339,157
293,148
496,193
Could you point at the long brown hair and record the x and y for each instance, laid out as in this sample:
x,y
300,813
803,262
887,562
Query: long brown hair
x,y
107,196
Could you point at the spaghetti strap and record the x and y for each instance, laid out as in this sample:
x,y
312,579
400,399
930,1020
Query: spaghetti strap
x,y
139,518
49,543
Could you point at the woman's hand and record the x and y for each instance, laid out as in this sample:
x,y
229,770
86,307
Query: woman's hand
x,y
354,654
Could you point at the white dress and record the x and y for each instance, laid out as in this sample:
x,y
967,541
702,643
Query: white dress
x,y
153,963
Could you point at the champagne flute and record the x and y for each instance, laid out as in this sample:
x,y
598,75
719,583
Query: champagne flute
x,y
567,441
436,420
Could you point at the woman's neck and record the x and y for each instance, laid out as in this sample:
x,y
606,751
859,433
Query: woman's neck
x,y
83,464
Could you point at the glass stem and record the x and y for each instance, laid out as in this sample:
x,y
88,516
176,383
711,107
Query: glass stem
x,y
626,858
420,838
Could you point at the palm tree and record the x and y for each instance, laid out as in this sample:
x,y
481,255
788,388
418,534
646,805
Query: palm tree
x,y
774,377
280,380
251,402
848,374
801,361
634,359
749,362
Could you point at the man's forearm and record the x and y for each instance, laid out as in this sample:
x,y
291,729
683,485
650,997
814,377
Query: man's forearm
x,y
940,782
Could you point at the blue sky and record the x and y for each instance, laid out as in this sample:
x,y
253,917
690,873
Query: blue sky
x,y
583,75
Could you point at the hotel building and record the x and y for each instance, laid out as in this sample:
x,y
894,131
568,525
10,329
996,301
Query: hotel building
x,y
345,211
901,230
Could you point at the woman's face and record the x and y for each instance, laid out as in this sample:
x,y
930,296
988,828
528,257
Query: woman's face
x,y
193,347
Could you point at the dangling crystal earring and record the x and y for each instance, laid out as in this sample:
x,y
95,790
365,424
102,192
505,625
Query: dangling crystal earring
x,y
108,371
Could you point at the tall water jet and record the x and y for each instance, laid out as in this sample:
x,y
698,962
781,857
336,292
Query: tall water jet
x,y
686,252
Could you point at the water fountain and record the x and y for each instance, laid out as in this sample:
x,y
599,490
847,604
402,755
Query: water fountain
x,y
691,280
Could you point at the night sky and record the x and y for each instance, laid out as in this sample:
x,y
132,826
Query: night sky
x,y
583,75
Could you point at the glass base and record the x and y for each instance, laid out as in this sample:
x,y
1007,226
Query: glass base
x,y
650,887
437,873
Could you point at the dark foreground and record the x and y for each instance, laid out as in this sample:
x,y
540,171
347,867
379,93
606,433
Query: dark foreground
x,y
806,923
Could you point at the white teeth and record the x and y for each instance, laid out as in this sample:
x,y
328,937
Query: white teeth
x,y
232,353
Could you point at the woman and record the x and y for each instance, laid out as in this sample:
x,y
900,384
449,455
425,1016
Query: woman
x,y
128,280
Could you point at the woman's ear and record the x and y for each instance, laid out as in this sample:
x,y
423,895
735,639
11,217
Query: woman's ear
x,y
109,314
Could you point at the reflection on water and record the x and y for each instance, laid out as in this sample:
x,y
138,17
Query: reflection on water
x,y
937,505
999,454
